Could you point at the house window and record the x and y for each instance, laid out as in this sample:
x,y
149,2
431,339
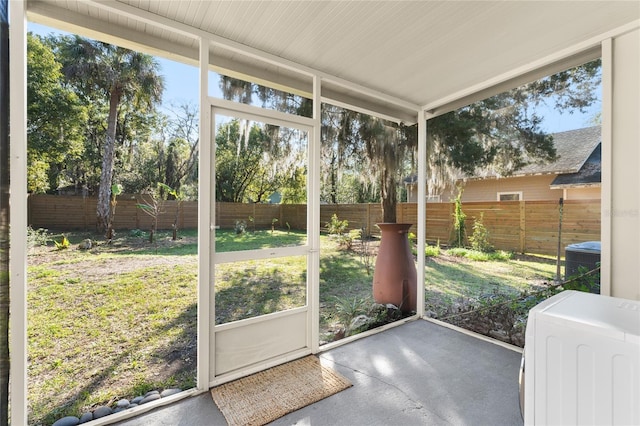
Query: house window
x,y
510,196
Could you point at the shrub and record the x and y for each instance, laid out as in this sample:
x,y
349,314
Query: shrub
x,y
36,237
432,251
584,280
63,244
429,251
336,226
360,314
479,256
348,308
240,226
500,255
348,239
137,233
480,238
459,231
458,252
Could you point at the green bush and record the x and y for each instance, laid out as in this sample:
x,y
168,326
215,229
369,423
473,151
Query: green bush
x,y
479,256
459,227
36,237
137,233
584,280
63,244
432,251
240,227
348,308
336,226
480,238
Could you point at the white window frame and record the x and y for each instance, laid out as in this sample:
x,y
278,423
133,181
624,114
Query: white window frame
x,y
518,193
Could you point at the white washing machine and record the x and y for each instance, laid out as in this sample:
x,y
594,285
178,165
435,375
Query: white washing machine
x,y
582,354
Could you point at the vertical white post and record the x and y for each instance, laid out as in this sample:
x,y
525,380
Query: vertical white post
x,y
18,210
606,184
205,226
422,209
313,217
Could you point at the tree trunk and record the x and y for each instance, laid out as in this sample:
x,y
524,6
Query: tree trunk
x,y
106,175
4,214
388,195
334,180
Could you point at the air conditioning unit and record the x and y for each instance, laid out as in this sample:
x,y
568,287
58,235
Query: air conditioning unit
x,y
581,362
586,254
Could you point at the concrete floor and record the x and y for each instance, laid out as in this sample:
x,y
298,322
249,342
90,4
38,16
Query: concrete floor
x,y
420,373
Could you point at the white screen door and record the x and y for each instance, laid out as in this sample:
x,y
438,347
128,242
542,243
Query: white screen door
x,y
260,250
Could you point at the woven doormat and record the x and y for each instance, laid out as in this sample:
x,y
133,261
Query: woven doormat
x,y
268,395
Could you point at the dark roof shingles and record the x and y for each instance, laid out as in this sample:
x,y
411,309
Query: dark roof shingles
x,y
590,173
573,147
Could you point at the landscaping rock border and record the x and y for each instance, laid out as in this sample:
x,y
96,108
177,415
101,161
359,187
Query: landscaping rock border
x,y
121,405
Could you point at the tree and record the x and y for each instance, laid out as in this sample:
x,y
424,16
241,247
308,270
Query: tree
x,y
388,148
386,145
268,158
157,147
294,186
239,163
503,132
182,151
253,163
55,118
117,75
248,93
337,151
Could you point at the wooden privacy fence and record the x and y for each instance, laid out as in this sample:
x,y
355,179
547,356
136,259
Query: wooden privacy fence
x,y
520,226
64,213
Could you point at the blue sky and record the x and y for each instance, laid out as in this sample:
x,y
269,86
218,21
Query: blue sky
x,y
181,81
556,122
181,86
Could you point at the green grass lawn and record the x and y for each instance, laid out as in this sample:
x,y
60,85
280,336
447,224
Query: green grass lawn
x,y
100,321
120,319
449,279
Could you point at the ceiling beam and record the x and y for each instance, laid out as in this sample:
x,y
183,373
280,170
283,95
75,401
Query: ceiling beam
x,y
564,59
251,67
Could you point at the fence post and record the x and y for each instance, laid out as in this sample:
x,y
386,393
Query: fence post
x,y
450,222
560,211
367,222
255,218
137,216
181,215
523,225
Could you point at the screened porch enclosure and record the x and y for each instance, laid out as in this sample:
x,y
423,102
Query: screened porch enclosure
x,y
403,62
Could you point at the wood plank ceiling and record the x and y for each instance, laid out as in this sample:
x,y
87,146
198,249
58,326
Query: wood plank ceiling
x,y
420,52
